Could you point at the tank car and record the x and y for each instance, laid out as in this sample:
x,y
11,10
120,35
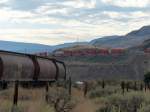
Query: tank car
x,y
26,67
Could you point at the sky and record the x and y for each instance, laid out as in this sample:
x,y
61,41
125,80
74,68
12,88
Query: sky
x,y
54,22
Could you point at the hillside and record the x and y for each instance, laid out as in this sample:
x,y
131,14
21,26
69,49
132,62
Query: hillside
x,y
23,47
132,39
78,47
132,67
31,47
104,41
145,44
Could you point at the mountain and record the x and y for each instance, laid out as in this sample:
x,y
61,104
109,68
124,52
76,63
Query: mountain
x,y
144,45
33,48
65,45
131,39
104,39
23,47
107,41
144,31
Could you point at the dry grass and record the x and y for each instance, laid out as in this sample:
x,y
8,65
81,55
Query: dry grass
x,y
29,100
33,100
84,103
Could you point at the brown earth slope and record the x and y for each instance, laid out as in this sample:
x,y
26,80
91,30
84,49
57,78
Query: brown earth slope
x,y
133,67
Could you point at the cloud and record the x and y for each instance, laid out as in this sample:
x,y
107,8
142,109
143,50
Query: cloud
x,y
127,3
59,21
43,36
3,1
80,3
52,9
7,13
25,4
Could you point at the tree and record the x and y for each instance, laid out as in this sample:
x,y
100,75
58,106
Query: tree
x,y
147,79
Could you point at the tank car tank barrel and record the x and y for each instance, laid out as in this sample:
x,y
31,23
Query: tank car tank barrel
x,y
57,70
65,71
36,67
65,75
26,67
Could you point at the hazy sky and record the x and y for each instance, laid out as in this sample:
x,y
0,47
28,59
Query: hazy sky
x,y
57,21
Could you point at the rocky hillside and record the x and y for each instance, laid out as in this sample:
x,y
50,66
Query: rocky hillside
x,y
132,68
131,39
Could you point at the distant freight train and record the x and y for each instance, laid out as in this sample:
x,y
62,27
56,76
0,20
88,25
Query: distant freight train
x,y
25,67
91,52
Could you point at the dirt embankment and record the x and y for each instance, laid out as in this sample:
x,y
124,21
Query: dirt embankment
x,y
133,67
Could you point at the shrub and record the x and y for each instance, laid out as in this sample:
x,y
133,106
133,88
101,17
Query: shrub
x,y
126,103
61,100
147,78
145,108
99,92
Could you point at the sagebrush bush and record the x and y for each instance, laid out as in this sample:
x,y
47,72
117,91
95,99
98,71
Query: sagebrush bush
x,y
145,108
99,92
61,100
130,102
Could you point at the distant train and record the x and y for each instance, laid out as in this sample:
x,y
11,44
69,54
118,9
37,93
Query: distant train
x,y
91,52
25,67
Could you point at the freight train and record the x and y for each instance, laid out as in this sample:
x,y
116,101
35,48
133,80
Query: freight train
x,y
91,52
26,67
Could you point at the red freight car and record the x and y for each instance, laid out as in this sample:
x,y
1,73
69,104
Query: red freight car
x,y
91,52
147,50
117,51
103,51
77,53
67,53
